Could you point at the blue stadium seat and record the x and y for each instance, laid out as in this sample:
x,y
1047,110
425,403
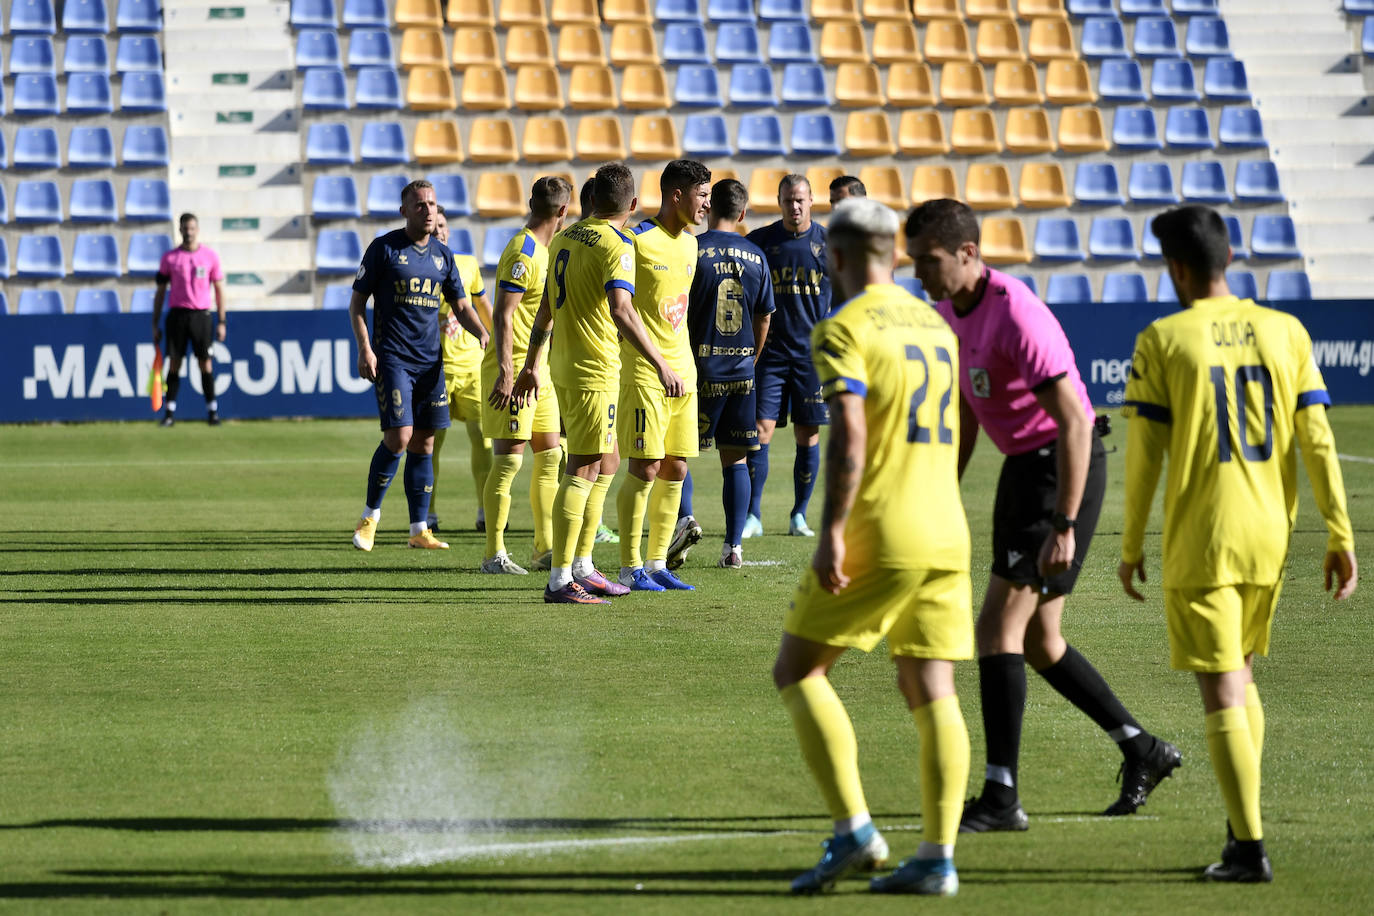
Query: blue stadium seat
x,y
1091,8
1287,285
678,11
89,93
1367,37
1195,8
337,295
137,53
1174,81
1069,289
95,255
317,48
85,16
139,16
378,87
1144,8
1204,182
147,199
460,241
791,43
1113,238
96,302
1149,245
1155,37
37,202
494,242
371,48
384,195
324,89
36,94
1165,292
142,92
1134,128
1151,183
1188,127
685,43
1096,184
35,148
706,135
4,156
335,197
328,144
1103,36
90,148
145,146
697,87
366,14
450,190
1057,240
1029,280
804,84
1270,237
1242,284
41,302
145,251
86,54
730,10
1125,287
32,17
4,206
39,257
751,86
338,251
1241,125
32,54
4,272
814,135
1120,80
774,10
1359,7
913,285
1236,234
738,43
92,200
383,142
1224,80
1257,181
1207,37
307,14
760,135
141,302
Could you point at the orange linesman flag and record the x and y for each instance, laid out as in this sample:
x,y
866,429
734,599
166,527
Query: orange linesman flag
x,y
155,380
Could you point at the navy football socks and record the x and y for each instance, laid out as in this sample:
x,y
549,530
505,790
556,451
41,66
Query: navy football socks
x,y
757,462
735,497
804,470
380,474
419,483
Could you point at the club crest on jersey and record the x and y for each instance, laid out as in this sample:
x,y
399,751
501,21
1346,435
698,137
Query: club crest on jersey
x,y
517,270
818,249
674,310
401,259
438,262
361,270
980,382
639,443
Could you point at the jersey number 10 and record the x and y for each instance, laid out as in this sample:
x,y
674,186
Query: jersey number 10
x,y
915,432
1244,377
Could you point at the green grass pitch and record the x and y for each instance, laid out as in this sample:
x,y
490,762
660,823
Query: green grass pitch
x,y
205,693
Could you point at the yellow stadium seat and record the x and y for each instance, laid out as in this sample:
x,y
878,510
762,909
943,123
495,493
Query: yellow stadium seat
x,y
1016,82
947,40
1028,130
546,140
580,44
485,89
1043,185
633,44
884,184
470,13
877,10
437,142
475,46
936,9
974,131
1036,9
987,9
963,84
591,88
763,190
575,12
500,194
857,86
820,177
999,39
1004,241
418,14
521,12
868,133
1081,131
650,195
825,10
894,41
1068,82
618,11
492,140
654,138
1052,39
423,47
921,133
843,41
430,89
910,85
538,89
988,187
644,86
899,248
933,182
723,173
528,44
600,139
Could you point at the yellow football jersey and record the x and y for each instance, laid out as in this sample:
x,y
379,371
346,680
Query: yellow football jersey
x,y
586,261
522,269
900,356
1227,378
663,278
462,352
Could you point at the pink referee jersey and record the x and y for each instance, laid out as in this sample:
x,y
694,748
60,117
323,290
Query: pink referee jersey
x,y
190,275
1009,345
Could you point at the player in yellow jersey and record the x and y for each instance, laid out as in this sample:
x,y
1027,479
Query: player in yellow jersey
x,y
1228,390
658,433
462,375
589,293
520,276
889,368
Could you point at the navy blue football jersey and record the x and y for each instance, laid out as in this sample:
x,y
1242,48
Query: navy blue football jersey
x,y
730,288
801,286
407,282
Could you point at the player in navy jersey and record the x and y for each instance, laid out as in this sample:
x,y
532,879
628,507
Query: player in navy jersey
x,y
786,379
407,273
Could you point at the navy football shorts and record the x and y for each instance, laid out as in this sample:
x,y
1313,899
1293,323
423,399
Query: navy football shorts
x,y
407,396
727,414
789,388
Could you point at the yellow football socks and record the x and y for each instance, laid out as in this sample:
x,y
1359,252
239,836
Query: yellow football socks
x,y
479,458
664,500
543,490
828,744
1255,713
944,768
591,520
569,507
496,499
1237,768
630,505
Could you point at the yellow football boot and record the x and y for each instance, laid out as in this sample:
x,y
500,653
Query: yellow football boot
x,y
426,540
365,534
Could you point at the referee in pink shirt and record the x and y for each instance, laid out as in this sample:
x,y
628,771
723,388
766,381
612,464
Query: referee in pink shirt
x,y
184,280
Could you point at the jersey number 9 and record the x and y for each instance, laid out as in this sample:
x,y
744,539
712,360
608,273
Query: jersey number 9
x,y
560,267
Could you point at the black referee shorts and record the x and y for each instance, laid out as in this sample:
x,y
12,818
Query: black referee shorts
x,y
1021,515
191,326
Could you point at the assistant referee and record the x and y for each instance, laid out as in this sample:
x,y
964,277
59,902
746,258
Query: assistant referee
x,y
185,277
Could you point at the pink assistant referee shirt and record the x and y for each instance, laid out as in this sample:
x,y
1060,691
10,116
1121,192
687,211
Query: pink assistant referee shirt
x,y
1010,344
190,276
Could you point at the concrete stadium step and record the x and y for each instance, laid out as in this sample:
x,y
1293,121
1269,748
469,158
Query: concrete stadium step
x,y
236,177
1270,85
263,84
235,16
259,202
1324,108
1300,62
1313,209
278,302
195,148
1302,154
218,44
280,255
1337,238
190,59
234,121
1333,287
266,229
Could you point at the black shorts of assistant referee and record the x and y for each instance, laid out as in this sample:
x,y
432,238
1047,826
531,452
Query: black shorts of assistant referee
x,y
1021,515
191,326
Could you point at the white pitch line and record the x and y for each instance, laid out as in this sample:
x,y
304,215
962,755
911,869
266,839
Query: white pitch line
x,y
764,563
173,463
1359,458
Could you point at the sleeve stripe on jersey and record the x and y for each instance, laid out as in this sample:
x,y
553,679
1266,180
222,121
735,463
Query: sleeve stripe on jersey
x,y
621,284
643,227
825,348
849,386
1151,411
1316,396
623,237
1048,382
510,287
527,249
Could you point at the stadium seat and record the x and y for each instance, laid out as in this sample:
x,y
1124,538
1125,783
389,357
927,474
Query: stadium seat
x,y
1174,81
615,12
521,12
936,9
92,200
1081,130
384,195
678,11
1037,9
1112,238
1096,184
1155,36
1080,8
979,10
1151,183
338,251
90,93
96,301
1125,287
35,148
947,40
142,92
366,14
759,135
1367,37
774,10
500,194
139,16
913,286
1241,126
494,243
1057,240
474,47
451,192
1149,247
1204,182
599,139
35,94
751,85
1207,37
895,42
538,89
39,257
644,86
382,142
1236,235
591,88
1103,37
1042,186
1068,289
430,89
868,133
1144,8
1067,82
141,300
685,43
963,83
1051,39
883,10
974,131
1287,285
32,17
1004,241
40,302
1224,80
145,250
1358,7
1120,80
654,138
910,85
1016,82
999,40
492,140
32,54
1242,283
95,255
858,86
335,197
575,12
1195,7
311,14
791,42
804,84
1165,291
423,14
826,10
421,47
485,89
324,89
372,48
1187,127
529,44
730,10
325,144
706,135
884,184
580,44
320,48
988,187
138,52
1028,131
1029,281
763,190
1270,237
738,43
86,54
1135,129
815,135
147,199
90,148
337,297
633,44
1257,181
650,195
933,182
922,133
37,202
146,146
378,88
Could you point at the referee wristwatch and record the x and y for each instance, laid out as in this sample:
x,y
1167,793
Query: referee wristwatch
x,y
1062,523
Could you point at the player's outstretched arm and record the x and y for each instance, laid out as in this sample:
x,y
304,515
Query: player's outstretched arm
x,y
506,302
1318,446
844,469
357,317
632,329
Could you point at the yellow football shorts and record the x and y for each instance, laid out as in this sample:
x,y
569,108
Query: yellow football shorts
x,y
924,613
588,420
651,425
1213,629
520,422
464,395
